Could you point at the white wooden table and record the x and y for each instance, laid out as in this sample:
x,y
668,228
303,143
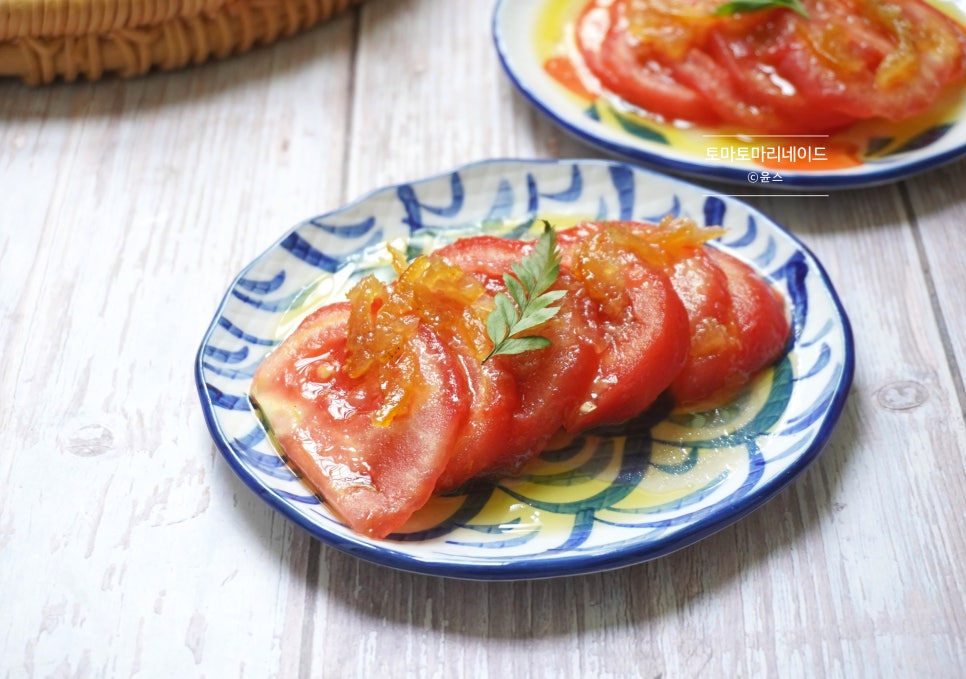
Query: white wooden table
x,y
129,548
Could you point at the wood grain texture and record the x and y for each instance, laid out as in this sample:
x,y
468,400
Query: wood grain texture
x,y
129,548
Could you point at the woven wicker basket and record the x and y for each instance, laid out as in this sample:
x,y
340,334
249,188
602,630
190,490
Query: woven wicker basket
x,y
45,40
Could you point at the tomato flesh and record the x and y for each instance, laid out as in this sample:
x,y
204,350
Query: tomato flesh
x,y
762,324
734,324
373,476
549,381
640,327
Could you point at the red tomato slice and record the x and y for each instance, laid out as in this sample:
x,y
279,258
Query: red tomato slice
x,y
774,71
872,59
735,322
641,328
738,325
374,476
493,399
609,52
485,257
763,328
752,93
703,287
550,381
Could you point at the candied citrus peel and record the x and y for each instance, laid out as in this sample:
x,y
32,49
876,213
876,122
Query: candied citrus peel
x,y
671,27
384,317
666,242
596,264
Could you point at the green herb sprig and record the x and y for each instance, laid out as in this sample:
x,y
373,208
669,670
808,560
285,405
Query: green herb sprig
x,y
529,301
741,6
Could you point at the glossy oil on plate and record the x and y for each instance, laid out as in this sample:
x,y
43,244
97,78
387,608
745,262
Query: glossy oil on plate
x,y
529,33
608,499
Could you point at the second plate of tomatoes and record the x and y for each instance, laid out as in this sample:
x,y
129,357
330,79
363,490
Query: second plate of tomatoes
x,y
855,94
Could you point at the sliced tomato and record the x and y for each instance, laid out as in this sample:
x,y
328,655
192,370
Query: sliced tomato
x,y
374,476
609,51
703,287
553,382
487,258
641,326
550,382
493,399
738,325
774,71
762,323
736,321
872,59
751,91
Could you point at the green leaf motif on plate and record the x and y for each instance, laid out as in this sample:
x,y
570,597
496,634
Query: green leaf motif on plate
x,y
605,113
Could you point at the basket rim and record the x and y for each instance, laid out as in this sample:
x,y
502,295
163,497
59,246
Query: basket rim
x,y
62,18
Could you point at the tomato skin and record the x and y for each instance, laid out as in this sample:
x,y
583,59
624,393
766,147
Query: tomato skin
x,y
763,327
373,476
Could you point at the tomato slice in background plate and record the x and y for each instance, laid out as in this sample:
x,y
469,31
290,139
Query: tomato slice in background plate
x,y
374,476
773,71
608,51
867,59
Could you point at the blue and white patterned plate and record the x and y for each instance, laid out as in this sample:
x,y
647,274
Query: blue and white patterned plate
x,y
529,32
617,497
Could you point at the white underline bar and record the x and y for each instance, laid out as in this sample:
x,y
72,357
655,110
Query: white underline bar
x,y
768,195
759,136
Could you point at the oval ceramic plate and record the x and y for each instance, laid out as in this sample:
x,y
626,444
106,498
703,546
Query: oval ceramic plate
x,y
528,33
608,499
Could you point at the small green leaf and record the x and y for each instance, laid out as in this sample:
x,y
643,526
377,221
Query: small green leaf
x,y
546,299
533,319
523,275
529,301
517,345
517,291
506,310
742,6
496,324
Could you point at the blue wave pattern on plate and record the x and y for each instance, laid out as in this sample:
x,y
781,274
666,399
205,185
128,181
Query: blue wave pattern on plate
x,y
614,496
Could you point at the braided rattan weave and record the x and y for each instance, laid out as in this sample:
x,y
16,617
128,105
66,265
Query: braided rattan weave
x,y
45,40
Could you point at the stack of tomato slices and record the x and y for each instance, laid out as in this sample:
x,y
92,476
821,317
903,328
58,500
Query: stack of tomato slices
x,y
384,399
773,70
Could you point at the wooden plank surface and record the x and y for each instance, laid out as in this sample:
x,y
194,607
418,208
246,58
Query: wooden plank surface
x,y
129,548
